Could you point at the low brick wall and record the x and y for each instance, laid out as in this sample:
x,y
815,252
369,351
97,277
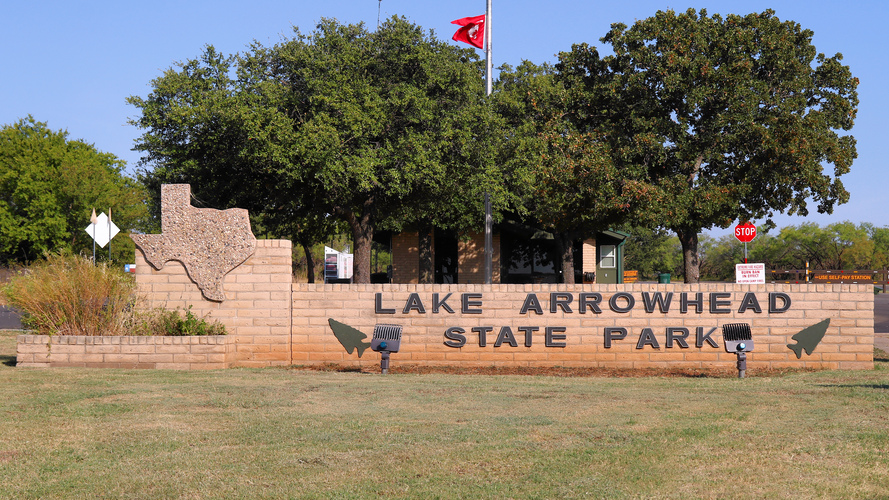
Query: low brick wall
x,y
615,326
180,353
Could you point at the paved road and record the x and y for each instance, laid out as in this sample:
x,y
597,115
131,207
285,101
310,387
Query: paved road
x,y
9,319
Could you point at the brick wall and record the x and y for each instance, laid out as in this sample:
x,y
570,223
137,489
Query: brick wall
x,y
578,339
183,353
256,311
470,265
589,256
274,322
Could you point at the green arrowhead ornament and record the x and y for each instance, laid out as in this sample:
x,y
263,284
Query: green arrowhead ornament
x,y
349,337
809,338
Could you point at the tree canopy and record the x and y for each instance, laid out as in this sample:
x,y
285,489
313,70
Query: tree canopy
x,y
380,129
732,118
562,180
49,185
693,122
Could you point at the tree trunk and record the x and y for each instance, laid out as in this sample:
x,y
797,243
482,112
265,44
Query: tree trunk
x,y
427,253
362,235
565,247
310,261
689,239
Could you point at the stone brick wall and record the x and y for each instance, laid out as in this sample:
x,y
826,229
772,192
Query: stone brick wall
x,y
275,322
256,311
183,353
434,335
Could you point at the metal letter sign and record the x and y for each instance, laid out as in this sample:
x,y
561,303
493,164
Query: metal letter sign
x,y
745,232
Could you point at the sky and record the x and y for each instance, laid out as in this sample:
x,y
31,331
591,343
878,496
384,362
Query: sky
x,y
73,64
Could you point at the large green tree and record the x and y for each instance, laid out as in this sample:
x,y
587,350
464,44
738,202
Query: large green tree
x,y
378,129
49,185
732,118
562,180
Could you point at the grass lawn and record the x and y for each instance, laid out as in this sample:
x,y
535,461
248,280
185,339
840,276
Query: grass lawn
x,y
281,433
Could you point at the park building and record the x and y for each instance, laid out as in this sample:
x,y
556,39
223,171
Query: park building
x,y
518,257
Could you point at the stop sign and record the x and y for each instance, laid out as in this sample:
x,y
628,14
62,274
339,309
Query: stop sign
x,y
745,232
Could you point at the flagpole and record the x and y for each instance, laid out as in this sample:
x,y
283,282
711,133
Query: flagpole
x,y
489,84
490,79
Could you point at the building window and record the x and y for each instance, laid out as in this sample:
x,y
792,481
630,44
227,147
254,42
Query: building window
x,y
608,256
529,261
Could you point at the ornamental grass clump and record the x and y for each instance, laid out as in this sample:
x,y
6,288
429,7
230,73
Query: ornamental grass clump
x,y
69,295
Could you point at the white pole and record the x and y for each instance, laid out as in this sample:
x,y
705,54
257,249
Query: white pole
x,y
93,220
489,85
490,78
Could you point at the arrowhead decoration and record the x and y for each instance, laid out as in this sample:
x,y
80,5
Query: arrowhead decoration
x,y
350,338
809,338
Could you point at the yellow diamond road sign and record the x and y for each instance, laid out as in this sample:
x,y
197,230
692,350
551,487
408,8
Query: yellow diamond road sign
x,y
103,230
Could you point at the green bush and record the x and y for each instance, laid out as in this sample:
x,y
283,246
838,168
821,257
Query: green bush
x,y
161,322
69,295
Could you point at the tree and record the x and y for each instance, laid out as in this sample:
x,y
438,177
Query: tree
x,y
380,130
49,185
880,238
841,245
651,251
562,180
732,118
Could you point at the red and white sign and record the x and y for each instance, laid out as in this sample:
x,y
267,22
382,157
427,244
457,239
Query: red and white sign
x,y
745,232
750,274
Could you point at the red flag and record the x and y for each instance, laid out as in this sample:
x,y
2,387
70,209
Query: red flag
x,y
472,31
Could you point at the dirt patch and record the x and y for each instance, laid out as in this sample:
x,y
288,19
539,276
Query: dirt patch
x,y
555,371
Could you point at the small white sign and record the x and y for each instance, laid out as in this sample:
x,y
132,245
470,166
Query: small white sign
x,y
750,274
103,230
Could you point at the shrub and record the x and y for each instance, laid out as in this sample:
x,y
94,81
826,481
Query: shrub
x,y
161,322
69,295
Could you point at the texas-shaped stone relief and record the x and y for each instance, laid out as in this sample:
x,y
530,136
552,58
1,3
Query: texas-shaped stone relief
x,y
208,242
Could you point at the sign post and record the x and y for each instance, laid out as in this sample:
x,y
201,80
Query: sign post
x,y
101,230
745,233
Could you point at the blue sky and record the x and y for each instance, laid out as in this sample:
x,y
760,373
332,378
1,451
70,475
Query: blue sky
x,y
73,64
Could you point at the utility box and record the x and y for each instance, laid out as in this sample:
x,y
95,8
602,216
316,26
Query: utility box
x,y
337,266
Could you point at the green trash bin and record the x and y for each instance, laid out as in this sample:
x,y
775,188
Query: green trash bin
x,y
663,278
